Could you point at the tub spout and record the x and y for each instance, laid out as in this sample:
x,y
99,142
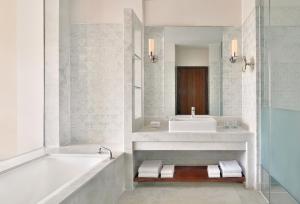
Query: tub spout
x,y
101,148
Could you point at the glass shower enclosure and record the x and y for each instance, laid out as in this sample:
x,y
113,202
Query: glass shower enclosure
x,y
280,108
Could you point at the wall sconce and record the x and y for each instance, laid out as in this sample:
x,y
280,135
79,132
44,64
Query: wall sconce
x,y
234,56
234,49
152,56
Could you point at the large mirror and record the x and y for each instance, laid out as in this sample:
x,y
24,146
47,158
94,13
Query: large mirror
x,y
190,67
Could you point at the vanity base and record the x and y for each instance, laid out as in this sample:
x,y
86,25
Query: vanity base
x,y
190,174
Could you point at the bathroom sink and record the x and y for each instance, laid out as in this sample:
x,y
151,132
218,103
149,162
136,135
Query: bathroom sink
x,y
192,124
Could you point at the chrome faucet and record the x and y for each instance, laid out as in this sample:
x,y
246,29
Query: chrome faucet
x,y
101,148
193,111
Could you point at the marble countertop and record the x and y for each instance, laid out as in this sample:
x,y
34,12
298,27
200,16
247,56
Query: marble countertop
x,y
148,133
165,128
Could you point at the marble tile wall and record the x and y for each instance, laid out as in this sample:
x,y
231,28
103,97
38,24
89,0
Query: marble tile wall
x,y
128,100
105,188
97,84
169,80
232,76
250,75
64,73
154,74
215,60
250,88
131,25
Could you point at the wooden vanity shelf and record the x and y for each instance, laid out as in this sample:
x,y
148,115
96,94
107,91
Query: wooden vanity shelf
x,y
190,174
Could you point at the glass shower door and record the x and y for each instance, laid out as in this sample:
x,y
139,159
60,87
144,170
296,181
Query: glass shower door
x,y
281,101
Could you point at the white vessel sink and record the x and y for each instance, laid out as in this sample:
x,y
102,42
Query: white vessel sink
x,y
192,124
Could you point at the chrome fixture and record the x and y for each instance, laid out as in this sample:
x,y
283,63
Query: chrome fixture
x,y
101,148
234,49
246,64
234,57
193,111
151,50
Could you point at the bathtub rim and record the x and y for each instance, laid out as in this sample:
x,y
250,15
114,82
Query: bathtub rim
x,y
15,162
64,191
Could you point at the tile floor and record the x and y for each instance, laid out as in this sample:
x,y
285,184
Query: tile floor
x,y
204,193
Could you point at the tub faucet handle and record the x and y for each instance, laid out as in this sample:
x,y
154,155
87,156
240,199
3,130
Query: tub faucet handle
x,y
101,148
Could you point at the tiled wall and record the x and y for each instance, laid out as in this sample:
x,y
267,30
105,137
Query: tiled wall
x,y
64,73
232,76
154,74
250,75
169,79
250,87
104,188
97,98
132,26
215,79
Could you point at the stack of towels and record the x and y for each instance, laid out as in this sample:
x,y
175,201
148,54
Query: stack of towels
x,y
150,169
230,168
167,171
213,171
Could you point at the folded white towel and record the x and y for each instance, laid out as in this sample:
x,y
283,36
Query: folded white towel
x,y
225,175
150,166
168,169
167,175
230,166
213,169
148,175
214,175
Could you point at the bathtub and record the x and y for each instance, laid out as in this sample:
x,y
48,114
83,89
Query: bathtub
x,y
54,178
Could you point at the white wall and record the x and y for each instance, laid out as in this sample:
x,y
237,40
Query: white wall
x,y
52,73
22,76
8,78
191,56
193,12
30,68
103,11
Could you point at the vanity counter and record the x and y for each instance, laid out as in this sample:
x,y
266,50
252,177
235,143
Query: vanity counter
x,y
236,142
165,128
162,133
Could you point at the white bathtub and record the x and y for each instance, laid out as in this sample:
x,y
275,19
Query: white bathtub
x,y
49,179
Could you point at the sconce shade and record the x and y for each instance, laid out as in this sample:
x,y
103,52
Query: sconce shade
x,y
234,48
151,47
